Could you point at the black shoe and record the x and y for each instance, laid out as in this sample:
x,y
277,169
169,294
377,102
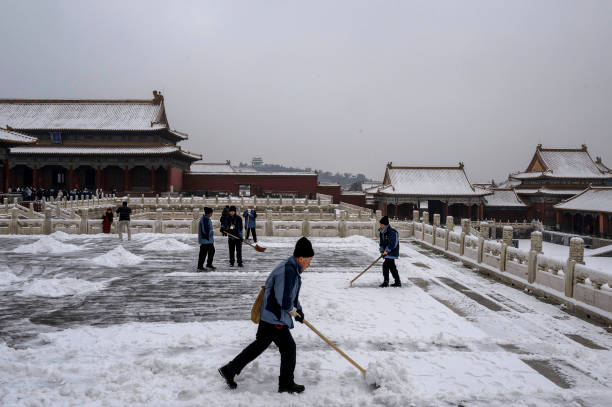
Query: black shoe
x,y
397,284
228,376
212,268
201,269
384,284
291,388
231,264
240,265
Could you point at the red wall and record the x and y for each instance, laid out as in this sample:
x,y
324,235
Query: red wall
x,y
175,177
358,200
301,185
333,190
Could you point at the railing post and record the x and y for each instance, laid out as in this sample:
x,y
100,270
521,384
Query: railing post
x,y
14,226
159,220
576,250
462,244
195,221
83,228
306,228
569,277
269,229
532,266
480,248
47,222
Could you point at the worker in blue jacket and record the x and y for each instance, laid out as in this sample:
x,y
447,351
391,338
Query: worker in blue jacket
x,y
280,303
249,223
389,247
232,225
206,238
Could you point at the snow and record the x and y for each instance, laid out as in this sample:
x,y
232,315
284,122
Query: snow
x,y
60,235
561,253
169,244
593,199
59,287
46,245
429,181
8,278
156,336
117,257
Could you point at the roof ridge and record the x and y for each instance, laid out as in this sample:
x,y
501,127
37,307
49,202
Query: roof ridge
x,y
79,101
425,168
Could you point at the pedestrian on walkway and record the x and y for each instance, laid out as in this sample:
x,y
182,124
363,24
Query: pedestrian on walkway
x,y
389,247
124,220
107,220
206,239
280,303
233,225
249,222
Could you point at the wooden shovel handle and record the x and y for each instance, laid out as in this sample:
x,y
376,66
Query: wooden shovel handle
x,y
367,268
337,349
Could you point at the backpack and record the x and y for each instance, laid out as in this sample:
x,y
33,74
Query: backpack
x,y
256,310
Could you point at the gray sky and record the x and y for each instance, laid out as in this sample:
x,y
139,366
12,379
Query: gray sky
x,y
338,85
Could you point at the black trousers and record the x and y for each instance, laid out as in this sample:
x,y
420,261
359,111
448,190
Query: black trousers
x,y
235,249
389,265
254,234
266,334
206,250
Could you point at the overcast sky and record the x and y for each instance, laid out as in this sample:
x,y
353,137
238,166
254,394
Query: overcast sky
x,y
337,85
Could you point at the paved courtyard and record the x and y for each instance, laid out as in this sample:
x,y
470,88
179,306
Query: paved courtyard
x,y
84,321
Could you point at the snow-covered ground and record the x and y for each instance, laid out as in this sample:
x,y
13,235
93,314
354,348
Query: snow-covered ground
x,y
89,320
562,253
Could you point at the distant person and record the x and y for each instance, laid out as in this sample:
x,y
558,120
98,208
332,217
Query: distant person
x,y
107,220
249,222
280,303
389,247
224,215
233,226
207,241
124,220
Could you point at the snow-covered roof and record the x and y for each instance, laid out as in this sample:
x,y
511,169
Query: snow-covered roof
x,y
161,150
427,181
11,137
84,114
365,185
547,191
504,197
561,163
593,199
227,168
215,168
602,167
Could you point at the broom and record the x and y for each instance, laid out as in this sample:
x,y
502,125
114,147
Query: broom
x,y
367,268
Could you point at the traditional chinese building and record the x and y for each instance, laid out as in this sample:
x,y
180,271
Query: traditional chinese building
x,y
125,145
10,139
589,212
554,175
442,190
504,205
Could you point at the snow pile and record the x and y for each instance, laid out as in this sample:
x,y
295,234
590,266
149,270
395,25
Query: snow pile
x,y
117,257
59,235
8,278
60,287
167,245
46,245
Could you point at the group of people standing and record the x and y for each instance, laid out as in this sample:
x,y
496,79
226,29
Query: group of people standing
x,y
124,212
232,227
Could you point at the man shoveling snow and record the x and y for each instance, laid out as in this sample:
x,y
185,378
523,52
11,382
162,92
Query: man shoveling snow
x,y
280,303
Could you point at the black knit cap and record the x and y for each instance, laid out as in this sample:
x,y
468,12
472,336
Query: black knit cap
x,y
303,248
232,208
384,220
207,210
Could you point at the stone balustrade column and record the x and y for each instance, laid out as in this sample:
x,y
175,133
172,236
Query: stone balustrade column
x,y
484,230
415,216
306,228
507,235
466,226
84,218
426,218
47,222
536,241
436,220
450,223
14,226
159,221
576,250
195,221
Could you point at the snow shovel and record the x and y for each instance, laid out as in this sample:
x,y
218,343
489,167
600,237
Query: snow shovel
x,y
369,267
254,246
337,349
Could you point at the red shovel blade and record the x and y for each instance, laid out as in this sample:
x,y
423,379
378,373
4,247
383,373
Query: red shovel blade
x,y
259,248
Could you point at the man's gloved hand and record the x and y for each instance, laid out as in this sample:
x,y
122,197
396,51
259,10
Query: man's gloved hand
x,y
300,317
293,312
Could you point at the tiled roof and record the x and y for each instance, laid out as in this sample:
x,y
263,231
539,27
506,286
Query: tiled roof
x,y
547,191
564,163
162,150
83,114
594,199
504,197
602,167
226,168
11,137
216,168
428,181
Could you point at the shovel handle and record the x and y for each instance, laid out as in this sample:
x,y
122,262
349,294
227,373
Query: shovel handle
x,y
367,268
241,239
337,349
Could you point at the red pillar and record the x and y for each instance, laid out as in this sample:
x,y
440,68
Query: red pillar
x,y
558,217
5,175
126,179
99,177
153,180
480,211
169,179
35,176
70,177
